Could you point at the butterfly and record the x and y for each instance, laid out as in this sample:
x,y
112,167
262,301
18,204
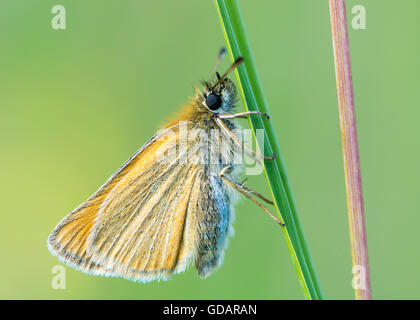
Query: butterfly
x,y
172,203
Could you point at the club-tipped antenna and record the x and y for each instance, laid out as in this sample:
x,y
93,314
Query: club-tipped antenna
x,y
231,68
220,57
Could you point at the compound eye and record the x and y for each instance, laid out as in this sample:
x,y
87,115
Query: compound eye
x,y
213,101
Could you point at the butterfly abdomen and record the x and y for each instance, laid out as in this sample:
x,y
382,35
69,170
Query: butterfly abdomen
x,y
213,226
217,198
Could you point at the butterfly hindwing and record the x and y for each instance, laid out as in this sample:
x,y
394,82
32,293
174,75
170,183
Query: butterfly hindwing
x,y
139,235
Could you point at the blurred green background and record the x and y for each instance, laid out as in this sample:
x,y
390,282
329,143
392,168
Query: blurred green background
x,y
76,103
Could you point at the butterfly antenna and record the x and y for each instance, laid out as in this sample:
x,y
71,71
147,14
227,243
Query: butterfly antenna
x,y
220,57
231,68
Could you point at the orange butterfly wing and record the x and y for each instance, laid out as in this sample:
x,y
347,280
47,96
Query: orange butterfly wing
x,y
69,240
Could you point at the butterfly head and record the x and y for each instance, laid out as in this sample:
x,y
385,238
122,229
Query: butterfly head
x,y
219,96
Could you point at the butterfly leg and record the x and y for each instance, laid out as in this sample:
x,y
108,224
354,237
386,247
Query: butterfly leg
x,y
243,115
246,192
249,190
251,152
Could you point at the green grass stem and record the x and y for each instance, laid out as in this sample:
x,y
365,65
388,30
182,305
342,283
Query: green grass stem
x,y
253,98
